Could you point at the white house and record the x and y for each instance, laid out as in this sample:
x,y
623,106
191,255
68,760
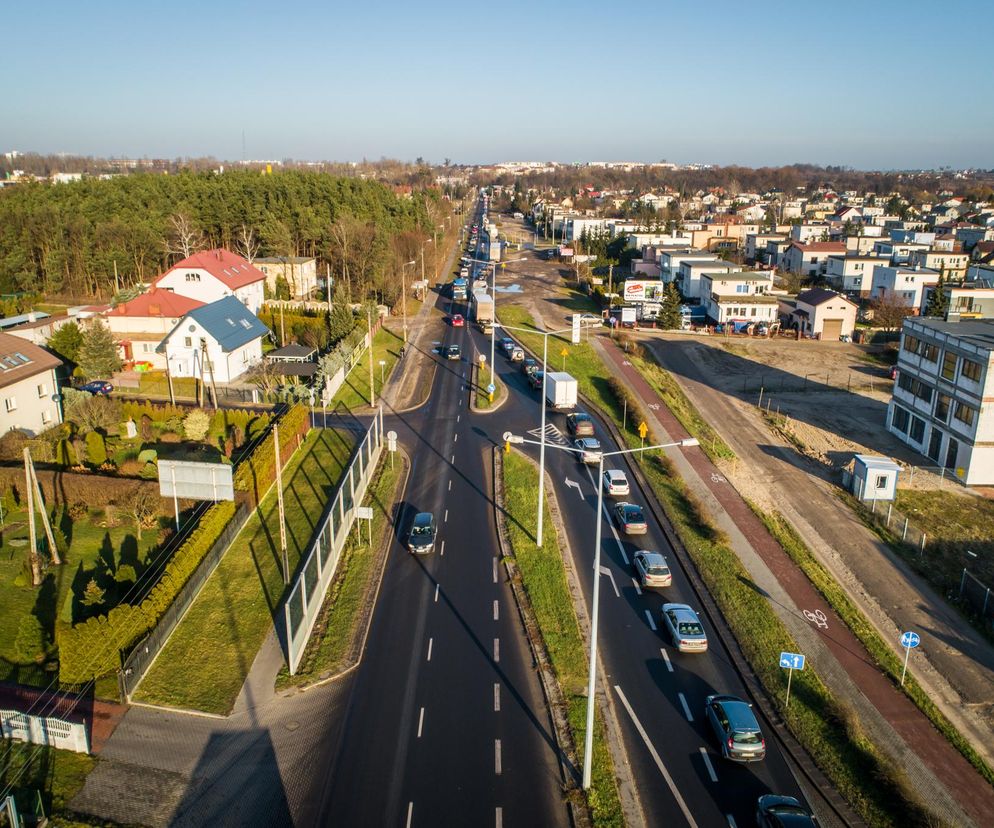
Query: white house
x,y
691,271
738,297
29,386
821,313
217,342
140,325
809,232
897,252
812,258
755,245
670,261
904,283
852,272
214,274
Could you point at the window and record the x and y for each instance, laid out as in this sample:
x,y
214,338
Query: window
x,y
880,482
193,277
187,341
942,403
46,416
949,366
42,391
929,351
917,432
11,403
914,386
900,420
911,344
964,414
971,370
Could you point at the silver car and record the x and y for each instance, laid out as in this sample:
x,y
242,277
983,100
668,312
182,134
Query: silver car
x,y
615,483
684,628
652,569
588,450
735,725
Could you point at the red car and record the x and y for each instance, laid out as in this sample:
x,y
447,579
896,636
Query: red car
x,y
457,321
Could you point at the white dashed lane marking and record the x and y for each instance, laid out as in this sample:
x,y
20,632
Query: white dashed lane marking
x,y
648,617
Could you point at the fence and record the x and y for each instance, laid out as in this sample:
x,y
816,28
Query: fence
x,y
783,382
977,594
316,573
141,657
44,730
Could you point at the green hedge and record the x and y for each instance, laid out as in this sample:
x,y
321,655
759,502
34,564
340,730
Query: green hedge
x,y
255,473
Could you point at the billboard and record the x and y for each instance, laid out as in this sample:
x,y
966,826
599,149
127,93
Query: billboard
x,y
195,481
640,290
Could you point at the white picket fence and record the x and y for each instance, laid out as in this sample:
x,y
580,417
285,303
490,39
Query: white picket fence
x,y
44,730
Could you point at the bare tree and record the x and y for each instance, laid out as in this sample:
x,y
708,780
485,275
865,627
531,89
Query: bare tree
x,y
889,311
185,238
143,507
265,375
246,243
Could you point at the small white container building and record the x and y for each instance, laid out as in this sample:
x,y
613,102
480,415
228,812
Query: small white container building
x,y
874,478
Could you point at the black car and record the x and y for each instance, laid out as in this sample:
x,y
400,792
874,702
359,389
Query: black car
x,y
529,365
453,352
535,379
421,539
773,811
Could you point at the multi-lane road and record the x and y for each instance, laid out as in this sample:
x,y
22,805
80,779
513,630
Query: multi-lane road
x,y
446,723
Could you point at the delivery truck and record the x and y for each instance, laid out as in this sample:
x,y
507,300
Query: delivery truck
x,y
560,390
483,309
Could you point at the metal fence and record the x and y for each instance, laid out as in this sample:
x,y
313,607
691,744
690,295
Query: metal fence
x,y
977,594
318,570
782,382
141,657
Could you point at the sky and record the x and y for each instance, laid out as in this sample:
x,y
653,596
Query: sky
x,y
892,84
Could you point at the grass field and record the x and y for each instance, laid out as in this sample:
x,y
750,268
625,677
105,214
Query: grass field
x,y
338,623
205,662
354,392
57,775
544,579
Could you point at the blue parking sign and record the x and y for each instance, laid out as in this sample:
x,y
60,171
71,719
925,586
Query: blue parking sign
x,y
910,639
792,661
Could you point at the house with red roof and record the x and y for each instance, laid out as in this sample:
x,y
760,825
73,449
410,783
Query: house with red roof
x,y
142,323
213,274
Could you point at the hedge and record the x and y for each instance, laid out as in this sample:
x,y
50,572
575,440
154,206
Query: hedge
x,y
256,472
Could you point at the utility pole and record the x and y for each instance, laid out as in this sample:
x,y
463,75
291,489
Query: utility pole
x,y
327,284
33,534
372,391
279,498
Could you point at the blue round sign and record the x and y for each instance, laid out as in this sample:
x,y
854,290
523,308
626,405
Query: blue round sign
x,y
910,640
491,388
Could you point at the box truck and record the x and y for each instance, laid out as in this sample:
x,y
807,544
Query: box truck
x,y
483,309
560,390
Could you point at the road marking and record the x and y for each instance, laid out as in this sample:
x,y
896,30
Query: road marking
x,y
497,756
638,589
452,460
410,810
707,762
436,592
431,641
421,721
500,818
450,485
731,821
455,438
574,485
446,516
659,762
496,612
496,698
666,658
606,571
648,617
686,708
818,618
442,551
495,570
496,649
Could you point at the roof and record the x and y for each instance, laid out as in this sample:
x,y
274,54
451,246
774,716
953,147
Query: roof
x,y
13,321
820,247
20,359
976,332
819,296
157,302
223,265
292,352
227,320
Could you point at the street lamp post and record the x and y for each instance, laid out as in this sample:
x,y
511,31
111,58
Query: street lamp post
x,y
403,294
588,743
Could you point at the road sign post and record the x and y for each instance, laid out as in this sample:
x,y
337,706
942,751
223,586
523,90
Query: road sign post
x,y
909,641
791,662
643,430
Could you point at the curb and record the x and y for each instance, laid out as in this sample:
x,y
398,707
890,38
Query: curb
x,y
501,398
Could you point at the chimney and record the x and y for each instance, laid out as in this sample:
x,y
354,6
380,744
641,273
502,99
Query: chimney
x,y
32,316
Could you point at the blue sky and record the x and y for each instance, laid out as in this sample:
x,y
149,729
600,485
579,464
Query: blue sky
x,y
887,84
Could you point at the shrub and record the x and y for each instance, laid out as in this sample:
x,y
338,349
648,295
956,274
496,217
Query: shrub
x,y
12,445
96,449
256,472
149,471
29,643
95,412
196,424
148,455
131,468
78,509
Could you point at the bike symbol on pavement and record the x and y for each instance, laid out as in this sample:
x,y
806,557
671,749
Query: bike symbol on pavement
x,y
818,618
717,478
625,362
654,406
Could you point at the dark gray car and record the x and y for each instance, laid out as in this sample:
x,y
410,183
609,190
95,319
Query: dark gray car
x,y
421,539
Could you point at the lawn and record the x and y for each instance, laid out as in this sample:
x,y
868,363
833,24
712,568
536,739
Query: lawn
x,y
209,655
544,579
354,392
155,384
481,379
101,548
339,623
57,775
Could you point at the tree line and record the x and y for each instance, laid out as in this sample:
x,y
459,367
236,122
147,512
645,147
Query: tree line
x,y
96,237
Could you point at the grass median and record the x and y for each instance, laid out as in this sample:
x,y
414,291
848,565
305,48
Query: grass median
x,y
480,381
339,625
544,578
354,392
205,662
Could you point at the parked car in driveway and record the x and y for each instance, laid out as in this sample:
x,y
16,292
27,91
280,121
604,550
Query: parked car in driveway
x,y
615,483
588,450
580,425
652,569
421,539
97,387
775,811
735,726
629,518
684,628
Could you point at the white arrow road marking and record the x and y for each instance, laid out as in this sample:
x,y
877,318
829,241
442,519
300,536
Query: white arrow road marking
x,y
573,484
606,571
648,616
659,762
707,762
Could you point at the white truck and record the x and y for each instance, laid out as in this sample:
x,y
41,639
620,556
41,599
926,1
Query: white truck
x,y
560,390
483,309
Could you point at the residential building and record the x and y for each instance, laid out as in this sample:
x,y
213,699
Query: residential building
x,y
897,252
949,264
724,232
937,405
738,297
141,324
755,246
819,313
36,327
670,261
214,274
971,235
691,271
812,258
29,386
906,284
966,300
852,272
804,233
216,343
300,273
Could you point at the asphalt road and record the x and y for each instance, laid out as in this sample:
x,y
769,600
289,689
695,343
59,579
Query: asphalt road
x,y
446,724
659,694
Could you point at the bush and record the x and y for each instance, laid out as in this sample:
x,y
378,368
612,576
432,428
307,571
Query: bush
x,y
12,445
149,471
148,455
196,425
78,509
96,449
255,473
29,643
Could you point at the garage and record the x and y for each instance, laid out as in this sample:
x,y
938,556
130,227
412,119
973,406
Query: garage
x,y
831,329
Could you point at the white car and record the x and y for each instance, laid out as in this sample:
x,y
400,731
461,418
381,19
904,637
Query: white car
x,y
684,628
590,320
652,569
588,450
615,483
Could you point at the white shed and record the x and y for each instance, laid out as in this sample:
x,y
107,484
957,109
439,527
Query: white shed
x,y
874,478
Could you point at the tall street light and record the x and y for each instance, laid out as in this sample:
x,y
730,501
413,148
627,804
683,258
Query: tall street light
x,y
588,743
403,294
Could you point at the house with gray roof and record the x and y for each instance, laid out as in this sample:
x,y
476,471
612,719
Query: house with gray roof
x,y
216,343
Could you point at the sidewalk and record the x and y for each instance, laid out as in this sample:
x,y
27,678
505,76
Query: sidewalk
x,y
940,774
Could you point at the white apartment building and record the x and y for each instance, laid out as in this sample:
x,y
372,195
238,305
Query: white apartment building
x,y
691,271
937,406
852,272
755,245
670,261
738,297
907,284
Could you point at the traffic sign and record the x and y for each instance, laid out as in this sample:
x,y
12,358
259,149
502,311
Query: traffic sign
x,y
792,661
491,388
910,640
643,429
564,352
